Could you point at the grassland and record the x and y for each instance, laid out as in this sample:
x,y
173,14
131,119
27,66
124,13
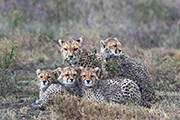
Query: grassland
x,y
149,31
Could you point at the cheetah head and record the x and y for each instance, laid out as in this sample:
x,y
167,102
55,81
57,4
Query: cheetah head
x,y
68,76
46,77
89,76
71,50
110,46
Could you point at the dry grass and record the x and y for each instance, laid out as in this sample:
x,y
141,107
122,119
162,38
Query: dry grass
x,y
71,108
149,31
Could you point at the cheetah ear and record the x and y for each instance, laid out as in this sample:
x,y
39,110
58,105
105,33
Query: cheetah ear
x,y
78,70
80,40
38,71
103,45
60,42
116,39
118,43
81,68
97,70
57,72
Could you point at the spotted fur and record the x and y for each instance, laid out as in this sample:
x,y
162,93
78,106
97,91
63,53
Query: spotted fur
x,y
73,54
71,50
127,67
117,90
111,46
49,94
69,77
64,87
46,78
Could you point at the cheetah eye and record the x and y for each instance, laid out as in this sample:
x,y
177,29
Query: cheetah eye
x,y
84,75
92,76
78,40
115,45
41,76
74,75
67,75
75,49
49,77
65,49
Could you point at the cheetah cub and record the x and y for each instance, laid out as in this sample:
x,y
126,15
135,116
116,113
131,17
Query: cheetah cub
x,y
108,90
74,55
115,63
69,77
62,88
46,78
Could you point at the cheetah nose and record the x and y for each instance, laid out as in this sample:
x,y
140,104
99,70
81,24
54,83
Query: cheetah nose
x,y
88,81
44,82
71,80
70,56
107,50
117,51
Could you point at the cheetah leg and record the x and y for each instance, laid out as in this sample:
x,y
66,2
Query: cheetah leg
x,y
48,95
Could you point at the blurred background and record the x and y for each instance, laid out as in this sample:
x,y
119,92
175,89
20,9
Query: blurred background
x,y
149,31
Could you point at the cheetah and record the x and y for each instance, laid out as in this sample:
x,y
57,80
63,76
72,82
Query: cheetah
x,y
108,90
62,88
116,63
69,77
88,85
73,54
46,78
71,50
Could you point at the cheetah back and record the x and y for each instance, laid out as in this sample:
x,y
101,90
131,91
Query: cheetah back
x,y
133,70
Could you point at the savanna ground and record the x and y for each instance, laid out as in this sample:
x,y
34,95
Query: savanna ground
x,y
149,31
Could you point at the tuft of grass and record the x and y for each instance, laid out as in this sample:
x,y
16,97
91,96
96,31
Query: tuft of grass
x,y
69,107
7,78
163,65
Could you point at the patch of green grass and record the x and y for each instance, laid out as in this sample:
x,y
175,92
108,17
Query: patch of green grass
x,y
95,49
7,78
